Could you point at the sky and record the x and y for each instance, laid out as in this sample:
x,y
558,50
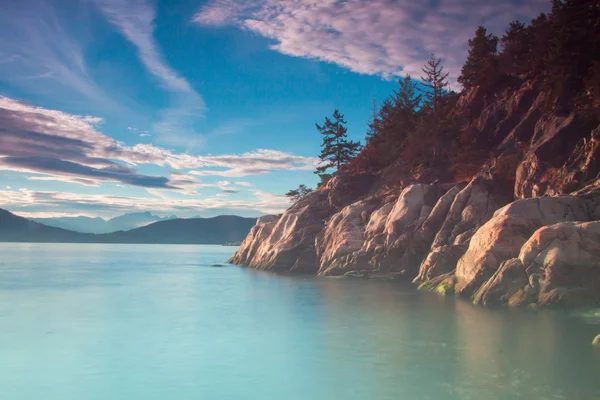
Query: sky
x,y
201,108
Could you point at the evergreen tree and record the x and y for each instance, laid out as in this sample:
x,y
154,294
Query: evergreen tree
x,y
574,45
407,100
296,194
371,125
481,68
538,34
516,49
436,81
336,149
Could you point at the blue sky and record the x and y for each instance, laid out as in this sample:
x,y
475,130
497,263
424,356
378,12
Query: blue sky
x,y
201,108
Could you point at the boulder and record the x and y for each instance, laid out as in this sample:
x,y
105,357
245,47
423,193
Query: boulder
x,y
502,237
470,208
558,266
342,236
394,237
288,245
251,244
440,261
562,262
509,282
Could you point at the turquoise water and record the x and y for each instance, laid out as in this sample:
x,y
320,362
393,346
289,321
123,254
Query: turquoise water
x,y
147,322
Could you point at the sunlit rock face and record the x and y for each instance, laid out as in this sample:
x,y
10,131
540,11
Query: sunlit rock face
x,y
500,238
558,265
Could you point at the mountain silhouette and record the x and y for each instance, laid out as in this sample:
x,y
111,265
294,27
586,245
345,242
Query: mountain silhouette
x,y
216,230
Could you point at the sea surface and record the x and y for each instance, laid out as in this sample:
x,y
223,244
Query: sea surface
x,y
111,322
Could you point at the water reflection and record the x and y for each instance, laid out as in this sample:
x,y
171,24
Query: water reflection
x,y
150,322
425,346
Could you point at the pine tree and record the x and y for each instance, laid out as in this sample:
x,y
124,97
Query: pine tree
x,y
574,45
371,125
539,34
516,47
336,149
481,67
436,81
296,194
407,100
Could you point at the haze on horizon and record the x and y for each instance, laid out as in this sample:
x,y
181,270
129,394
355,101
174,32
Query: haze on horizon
x,y
202,108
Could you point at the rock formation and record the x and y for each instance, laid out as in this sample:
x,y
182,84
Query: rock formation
x,y
529,236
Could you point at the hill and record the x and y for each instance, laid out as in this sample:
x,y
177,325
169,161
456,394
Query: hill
x,y
84,224
18,229
217,230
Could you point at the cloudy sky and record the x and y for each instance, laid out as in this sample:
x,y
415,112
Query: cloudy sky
x,y
201,108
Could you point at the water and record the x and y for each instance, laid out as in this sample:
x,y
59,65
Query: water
x,y
157,322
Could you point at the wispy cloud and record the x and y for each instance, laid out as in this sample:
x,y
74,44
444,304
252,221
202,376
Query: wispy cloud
x,y
30,203
70,148
384,37
36,47
135,20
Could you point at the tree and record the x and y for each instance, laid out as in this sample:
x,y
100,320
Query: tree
x,y
573,47
516,46
336,149
481,67
296,194
407,101
371,129
436,81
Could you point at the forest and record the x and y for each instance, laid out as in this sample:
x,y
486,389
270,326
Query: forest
x,y
422,127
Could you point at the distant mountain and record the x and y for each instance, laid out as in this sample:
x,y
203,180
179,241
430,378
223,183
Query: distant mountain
x,y
124,222
18,229
217,230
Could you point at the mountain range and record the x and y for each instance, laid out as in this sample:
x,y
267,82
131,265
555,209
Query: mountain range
x,y
216,230
124,222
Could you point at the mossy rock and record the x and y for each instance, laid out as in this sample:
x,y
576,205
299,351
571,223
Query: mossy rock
x,y
443,284
446,287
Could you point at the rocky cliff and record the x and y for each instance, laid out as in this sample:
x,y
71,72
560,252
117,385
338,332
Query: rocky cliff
x,y
525,230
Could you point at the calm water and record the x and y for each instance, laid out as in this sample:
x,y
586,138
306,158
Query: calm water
x,y
129,322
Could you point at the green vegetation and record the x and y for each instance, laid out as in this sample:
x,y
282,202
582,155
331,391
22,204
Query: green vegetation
x,y
336,150
301,191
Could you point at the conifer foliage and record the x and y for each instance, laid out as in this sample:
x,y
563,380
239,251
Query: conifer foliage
x,y
436,81
296,194
481,66
336,150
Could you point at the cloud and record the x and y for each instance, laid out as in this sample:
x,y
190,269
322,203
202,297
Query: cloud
x,y
69,148
39,55
65,146
247,184
32,204
135,20
378,37
259,162
136,130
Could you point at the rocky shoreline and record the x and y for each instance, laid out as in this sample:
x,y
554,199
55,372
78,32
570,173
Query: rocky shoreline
x,y
524,231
